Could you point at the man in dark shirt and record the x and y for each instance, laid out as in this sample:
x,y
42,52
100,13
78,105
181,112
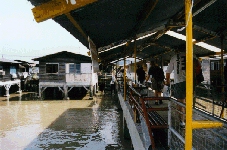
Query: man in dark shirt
x,y
141,74
157,80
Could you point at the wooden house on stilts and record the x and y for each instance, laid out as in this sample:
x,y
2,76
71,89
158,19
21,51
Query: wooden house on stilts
x,y
66,70
8,77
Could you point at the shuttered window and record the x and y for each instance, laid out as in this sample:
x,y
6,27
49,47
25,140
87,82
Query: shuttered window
x,y
74,68
78,68
71,68
51,68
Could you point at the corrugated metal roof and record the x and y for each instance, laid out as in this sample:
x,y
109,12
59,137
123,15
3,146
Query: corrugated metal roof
x,y
64,54
109,23
4,60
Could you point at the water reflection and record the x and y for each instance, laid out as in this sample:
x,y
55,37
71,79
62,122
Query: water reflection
x,y
75,124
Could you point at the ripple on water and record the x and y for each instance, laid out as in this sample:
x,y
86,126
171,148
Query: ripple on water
x,y
75,124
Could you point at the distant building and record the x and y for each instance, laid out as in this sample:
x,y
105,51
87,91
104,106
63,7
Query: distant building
x,y
66,70
8,76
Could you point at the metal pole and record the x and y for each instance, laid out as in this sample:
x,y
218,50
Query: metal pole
x,y
189,75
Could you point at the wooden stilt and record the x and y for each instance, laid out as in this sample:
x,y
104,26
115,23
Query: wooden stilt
x,y
65,92
91,93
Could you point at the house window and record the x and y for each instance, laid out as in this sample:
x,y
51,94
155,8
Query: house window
x,y
71,68
74,68
51,68
214,66
78,68
13,70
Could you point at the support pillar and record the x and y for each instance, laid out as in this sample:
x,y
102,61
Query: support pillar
x,y
96,87
7,87
91,92
41,91
19,88
40,88
65,92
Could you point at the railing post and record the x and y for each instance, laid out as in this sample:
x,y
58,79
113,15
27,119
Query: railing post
x,y
124,79
169,122
144,109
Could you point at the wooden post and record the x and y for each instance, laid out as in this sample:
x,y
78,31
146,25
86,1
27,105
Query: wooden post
x,y
222,78
19,87
7,87
40,93
65,92
124,79
135,58
91,93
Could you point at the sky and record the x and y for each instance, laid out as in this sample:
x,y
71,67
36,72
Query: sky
x,y
21,37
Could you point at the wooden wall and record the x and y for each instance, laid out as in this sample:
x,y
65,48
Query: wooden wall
x,y
56,77
52,77
7,76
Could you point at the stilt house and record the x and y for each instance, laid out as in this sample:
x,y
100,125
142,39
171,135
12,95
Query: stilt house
x,y
66,70
8,76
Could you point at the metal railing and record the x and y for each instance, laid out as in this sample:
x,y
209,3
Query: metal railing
x,y
140,104
65,77
204,109
203,138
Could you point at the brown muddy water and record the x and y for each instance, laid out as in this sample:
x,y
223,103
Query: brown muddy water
x,y
30,124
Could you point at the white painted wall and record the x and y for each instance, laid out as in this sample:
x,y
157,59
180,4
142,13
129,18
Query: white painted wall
x,y
84,77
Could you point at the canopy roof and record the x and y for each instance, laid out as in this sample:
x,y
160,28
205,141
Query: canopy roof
x,y
4,60
113,22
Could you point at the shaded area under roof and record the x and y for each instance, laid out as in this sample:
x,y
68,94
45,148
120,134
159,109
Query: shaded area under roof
x,y
109,23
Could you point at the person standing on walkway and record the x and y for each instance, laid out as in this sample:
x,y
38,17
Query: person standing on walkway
x,y
140,74
157,80
178,65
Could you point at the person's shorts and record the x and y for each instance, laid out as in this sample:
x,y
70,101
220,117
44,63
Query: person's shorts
x,y
180,90
157,85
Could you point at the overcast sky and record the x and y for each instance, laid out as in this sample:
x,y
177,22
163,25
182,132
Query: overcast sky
x,y
21,37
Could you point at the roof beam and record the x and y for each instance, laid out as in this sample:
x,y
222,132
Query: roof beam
x,y
141,19
144,14
73,21
176,21
171,24
120,54
168,49
55,8
122,42
116,55
210,34
204,30
151,41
